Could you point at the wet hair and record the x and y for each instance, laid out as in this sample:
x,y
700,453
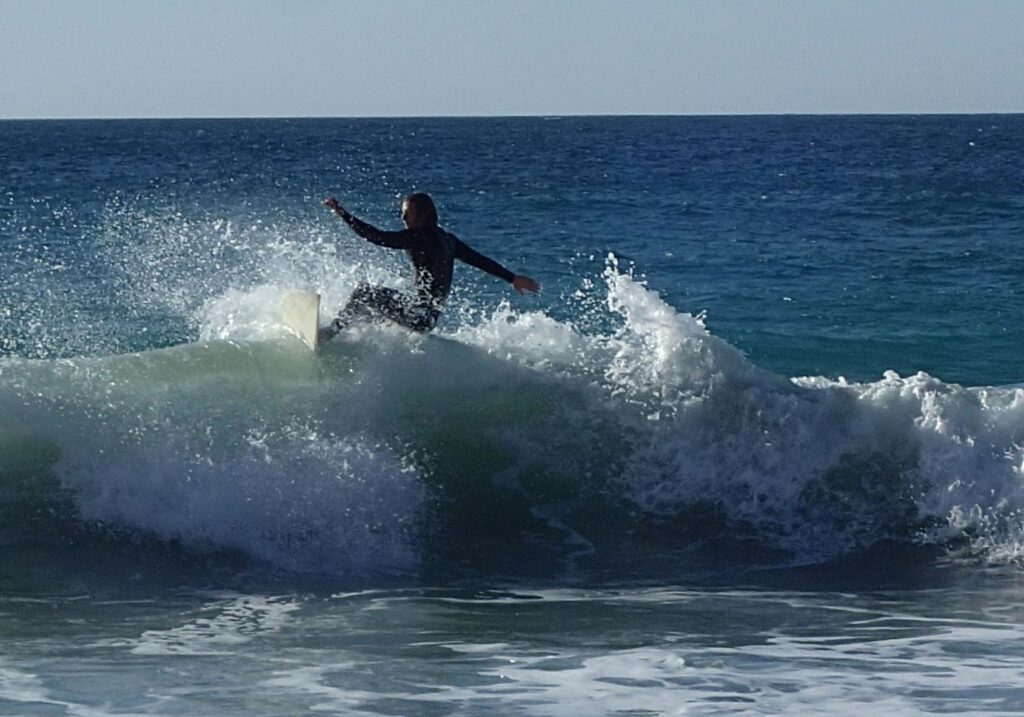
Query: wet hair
x,y
424,206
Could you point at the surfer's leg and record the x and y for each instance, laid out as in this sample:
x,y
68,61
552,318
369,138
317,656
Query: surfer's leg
x,y
421,319
405,311
371,303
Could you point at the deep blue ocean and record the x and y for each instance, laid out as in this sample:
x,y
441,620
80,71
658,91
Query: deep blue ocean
x,y
756,448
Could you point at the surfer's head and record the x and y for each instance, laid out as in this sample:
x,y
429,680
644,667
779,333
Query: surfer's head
x,y
418,211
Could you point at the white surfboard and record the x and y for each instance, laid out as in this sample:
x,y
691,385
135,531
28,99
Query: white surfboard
x,y
300,314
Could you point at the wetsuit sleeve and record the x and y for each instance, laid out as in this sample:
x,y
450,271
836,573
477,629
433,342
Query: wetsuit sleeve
x,y
392,240
474,258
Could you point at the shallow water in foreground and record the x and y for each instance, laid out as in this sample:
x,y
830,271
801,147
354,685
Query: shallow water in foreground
x,y
944,640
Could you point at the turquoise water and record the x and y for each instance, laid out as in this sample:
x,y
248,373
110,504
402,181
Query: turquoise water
x,y
756,447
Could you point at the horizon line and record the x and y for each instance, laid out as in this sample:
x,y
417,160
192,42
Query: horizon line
x,y
122,118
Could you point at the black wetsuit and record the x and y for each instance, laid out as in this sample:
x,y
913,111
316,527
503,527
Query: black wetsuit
x,y
432,252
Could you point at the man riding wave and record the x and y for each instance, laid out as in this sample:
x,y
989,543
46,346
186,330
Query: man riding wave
x,y
432,251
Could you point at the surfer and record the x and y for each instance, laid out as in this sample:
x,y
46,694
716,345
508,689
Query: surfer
x,y
432,251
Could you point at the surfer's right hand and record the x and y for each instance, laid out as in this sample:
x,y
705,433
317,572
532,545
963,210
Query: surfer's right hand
x,y
522,284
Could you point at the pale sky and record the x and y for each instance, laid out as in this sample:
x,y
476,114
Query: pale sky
x,y
293,58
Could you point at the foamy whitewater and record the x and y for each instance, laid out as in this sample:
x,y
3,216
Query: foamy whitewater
x,y
739,462
246,440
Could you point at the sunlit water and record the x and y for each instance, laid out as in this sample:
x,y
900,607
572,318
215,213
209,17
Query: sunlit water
x,y
757,448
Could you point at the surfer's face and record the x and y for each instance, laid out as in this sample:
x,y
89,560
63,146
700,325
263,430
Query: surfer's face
x,y
412,216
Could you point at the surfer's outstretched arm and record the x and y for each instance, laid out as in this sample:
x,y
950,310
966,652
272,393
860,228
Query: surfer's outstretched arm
x,y
392,240
522,284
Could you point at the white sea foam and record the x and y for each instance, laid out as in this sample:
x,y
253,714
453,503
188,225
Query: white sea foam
x,y
322,462
784,653
787,675
219,629
20,686
822,465
295,497
27,693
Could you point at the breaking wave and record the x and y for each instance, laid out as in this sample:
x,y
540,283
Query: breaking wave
x,y
559,439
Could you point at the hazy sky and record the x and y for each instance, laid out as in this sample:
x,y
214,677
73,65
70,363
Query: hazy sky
x,y
210,58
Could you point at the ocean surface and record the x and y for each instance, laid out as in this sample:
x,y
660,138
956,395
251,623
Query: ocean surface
x,y
756,448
